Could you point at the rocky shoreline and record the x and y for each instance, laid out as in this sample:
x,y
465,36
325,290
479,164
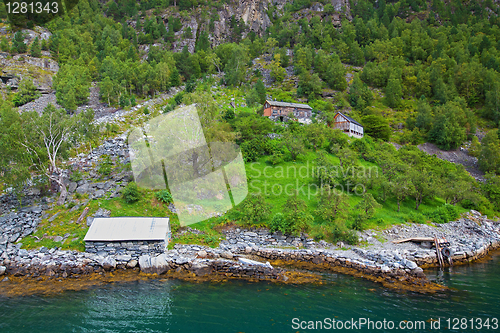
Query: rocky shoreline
x,y
395,265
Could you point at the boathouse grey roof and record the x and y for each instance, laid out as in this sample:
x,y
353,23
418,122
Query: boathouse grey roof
x,y
292,105
128,229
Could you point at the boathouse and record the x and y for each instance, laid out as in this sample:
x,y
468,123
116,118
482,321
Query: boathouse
x,y
128,236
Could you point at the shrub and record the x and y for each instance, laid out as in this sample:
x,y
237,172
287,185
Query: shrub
x,y
131,193
105,167
76,176
344,235
416,217
443,214
164,196
278,223
254,209
251,150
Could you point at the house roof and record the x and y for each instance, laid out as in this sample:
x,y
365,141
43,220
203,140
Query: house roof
x,y
349,118
128,229
286,104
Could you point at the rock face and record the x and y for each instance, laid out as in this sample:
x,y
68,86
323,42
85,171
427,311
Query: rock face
x,y
17,225
15,69
255,15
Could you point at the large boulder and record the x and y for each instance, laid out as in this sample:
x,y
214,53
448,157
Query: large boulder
x,y
82,189
201,269
151,265
2,270
108,263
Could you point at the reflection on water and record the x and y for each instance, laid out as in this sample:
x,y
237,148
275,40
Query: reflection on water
x,y
239,306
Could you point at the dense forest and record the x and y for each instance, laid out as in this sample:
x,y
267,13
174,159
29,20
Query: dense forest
x,y
417,71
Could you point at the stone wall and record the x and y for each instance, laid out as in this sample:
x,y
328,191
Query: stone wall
x,y
125,251
15,226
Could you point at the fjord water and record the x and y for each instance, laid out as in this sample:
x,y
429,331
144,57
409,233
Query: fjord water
x,y
238,306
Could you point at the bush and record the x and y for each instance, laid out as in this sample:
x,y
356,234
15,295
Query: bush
x,y
105,167
76,176
131,193
443,214
278,223
254,210
164,196
344,235
251,150
416,217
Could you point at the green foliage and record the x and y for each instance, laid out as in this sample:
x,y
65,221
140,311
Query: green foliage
x,y
449,127
278,223
254,210
360,95
26,92
489,156
416,217
309,85
72,84
368,205
296,216
335,74
35,143
35,48
105,167
76,176
377,127
164,196
333,206
424,115
18,42
443,214
475,147
393,92
492,188
131,193
4,45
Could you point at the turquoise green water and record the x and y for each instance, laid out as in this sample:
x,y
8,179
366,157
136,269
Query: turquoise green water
x,y
176,306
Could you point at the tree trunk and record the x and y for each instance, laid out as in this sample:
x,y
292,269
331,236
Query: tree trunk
x,y
63,189
398,205
417,202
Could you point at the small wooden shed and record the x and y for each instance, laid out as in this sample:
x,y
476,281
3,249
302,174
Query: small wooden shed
x,y
348,125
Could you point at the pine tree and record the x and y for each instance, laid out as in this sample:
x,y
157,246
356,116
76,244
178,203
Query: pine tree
x,y
35,49
18,42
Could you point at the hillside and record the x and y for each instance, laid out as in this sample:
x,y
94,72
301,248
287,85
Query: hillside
x,y
412,72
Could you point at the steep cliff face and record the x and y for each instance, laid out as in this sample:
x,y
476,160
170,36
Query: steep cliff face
x,y
252,12
255,15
